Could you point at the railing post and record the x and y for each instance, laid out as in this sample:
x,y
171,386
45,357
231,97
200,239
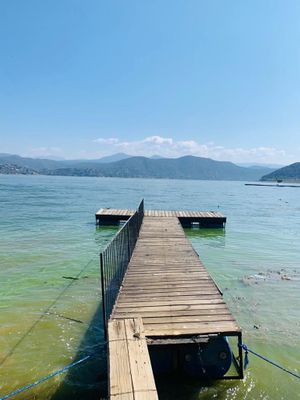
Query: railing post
x,y
128,244
103,295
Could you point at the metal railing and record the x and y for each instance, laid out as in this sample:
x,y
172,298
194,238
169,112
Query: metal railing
x,y
115,259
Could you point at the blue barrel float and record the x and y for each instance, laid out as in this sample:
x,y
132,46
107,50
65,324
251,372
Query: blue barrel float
x,y
208,360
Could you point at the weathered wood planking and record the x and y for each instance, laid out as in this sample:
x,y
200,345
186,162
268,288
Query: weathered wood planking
x,y
130,372
203,218
166,293
168,287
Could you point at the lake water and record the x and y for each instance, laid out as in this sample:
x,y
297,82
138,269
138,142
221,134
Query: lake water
x,y
48,236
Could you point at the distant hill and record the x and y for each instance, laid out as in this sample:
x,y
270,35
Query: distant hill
x,y
49,164
114,157
31,163
12,169
187,167
291,173
261,165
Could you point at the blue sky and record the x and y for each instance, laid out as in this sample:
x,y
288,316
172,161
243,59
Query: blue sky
x,y
82,79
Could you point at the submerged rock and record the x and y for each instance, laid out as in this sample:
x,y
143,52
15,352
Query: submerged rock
x,y
269,275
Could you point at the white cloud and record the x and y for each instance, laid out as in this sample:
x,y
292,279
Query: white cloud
x,y
107,141
158,140
169,147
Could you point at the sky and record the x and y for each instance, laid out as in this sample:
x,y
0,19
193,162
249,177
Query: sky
x,y
88,78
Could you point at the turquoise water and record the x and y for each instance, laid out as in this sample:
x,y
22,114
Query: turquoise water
x,y
48,236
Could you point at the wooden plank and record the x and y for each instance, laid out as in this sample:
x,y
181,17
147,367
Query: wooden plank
x,y
187,319
169,281
166,292
171,313
147,288
163,279
158,263
170,310
119,368
172,297
167,275
139,360
161,331
141,270
183,302
130,371
178,309
170,319
140,281
219,326
164,268
174,293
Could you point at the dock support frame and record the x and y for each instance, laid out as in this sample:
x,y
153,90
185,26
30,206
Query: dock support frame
x,y
237,361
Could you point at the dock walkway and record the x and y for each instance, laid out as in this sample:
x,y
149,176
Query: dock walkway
x,y
167,289
167,285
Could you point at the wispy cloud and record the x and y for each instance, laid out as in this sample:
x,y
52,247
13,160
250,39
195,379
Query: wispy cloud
x,y
107,141
169,147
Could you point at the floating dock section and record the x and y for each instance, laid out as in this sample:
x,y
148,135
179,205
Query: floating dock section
x,y
206,219
168,314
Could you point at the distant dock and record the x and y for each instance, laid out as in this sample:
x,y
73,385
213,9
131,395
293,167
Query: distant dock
x,y
163,311
273,185
205,219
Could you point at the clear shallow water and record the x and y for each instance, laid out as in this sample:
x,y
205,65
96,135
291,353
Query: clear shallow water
x,y
48,234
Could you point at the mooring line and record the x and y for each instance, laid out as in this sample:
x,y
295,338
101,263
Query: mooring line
x,y
247,350
45,378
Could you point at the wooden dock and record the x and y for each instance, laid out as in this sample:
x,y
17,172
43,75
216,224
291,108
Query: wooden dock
x,y
170,298
165,271
207,219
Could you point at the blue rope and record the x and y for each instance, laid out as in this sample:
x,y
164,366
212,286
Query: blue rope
x,y
246,360
45,378
247,350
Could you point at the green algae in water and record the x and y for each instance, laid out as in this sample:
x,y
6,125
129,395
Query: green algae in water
x,y
48,231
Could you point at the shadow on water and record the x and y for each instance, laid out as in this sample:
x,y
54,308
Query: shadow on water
x,y
212,237
105,233
89,380
205,232
176,387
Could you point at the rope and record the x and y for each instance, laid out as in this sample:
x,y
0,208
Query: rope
x,y
45,378
247,350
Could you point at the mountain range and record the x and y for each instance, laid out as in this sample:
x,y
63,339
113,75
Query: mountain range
x,y
125,166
